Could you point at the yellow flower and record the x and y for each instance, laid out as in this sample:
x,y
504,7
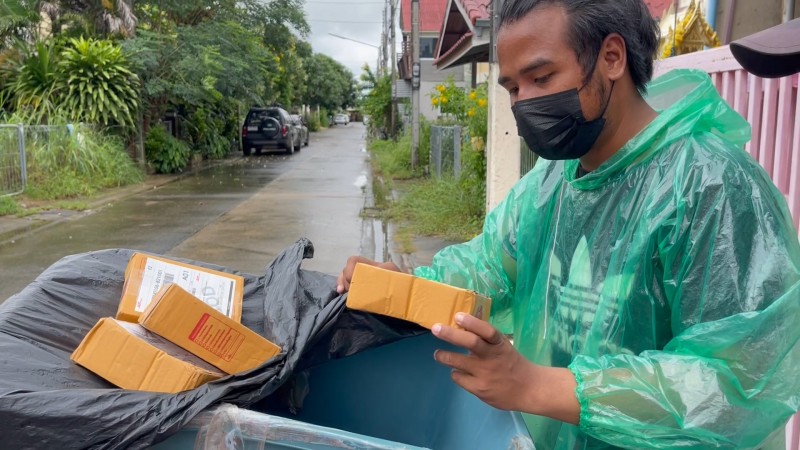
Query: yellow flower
x,y
473,95
440,88
482,102
444,100
471,112
434,101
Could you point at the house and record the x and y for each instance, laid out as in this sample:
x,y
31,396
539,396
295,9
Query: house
x,y
730,19
431,15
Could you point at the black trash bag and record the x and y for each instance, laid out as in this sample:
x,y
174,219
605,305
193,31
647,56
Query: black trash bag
x,y
47,401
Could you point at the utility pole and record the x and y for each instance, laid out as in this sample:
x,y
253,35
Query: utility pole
x,y
415,73
393,55
384,38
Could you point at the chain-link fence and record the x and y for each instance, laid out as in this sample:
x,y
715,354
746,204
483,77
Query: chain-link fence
x,y
446,151
12,160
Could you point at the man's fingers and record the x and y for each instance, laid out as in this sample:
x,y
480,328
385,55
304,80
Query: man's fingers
x,y
481,328
460,338
343,282
457,361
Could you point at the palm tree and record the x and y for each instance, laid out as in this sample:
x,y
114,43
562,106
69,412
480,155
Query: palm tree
x,y
105,17
14,17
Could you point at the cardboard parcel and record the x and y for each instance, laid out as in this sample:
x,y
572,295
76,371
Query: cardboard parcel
x,y
410,298
145,275
128,356
200,329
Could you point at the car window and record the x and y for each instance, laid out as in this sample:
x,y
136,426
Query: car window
x,y
261,115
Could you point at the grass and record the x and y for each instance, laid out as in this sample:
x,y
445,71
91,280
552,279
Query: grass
x,y
64,166
9,206
17,206
439,208
448,208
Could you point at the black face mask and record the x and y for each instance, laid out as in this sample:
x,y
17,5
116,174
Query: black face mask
x,y
553,126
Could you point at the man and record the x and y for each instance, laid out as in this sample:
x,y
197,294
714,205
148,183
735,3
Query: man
x,y
647,268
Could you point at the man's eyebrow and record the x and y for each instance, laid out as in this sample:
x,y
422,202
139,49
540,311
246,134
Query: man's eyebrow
x,y
538,63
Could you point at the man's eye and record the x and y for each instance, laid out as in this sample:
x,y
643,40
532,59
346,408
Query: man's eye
x,y
544,79
513,91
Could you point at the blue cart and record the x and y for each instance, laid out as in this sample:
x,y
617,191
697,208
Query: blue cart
x,y
391,397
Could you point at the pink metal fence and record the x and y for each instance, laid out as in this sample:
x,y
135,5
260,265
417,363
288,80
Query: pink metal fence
x,y
772,107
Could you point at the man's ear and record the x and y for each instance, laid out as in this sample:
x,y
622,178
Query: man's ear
x,y
613,58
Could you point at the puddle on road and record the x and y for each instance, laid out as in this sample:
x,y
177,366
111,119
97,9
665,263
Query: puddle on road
x,y
361,181
374,236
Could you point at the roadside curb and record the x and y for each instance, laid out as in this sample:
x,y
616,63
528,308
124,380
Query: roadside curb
x,y
14,228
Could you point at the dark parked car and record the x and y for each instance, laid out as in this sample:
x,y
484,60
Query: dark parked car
x,y
302,127
269,128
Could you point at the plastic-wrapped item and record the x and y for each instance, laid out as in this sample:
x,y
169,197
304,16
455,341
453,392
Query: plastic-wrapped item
x,y
230,428
47,401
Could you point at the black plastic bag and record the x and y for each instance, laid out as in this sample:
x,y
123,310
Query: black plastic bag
x,y
47,401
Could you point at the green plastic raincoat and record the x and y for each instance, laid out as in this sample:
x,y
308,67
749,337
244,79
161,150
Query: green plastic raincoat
x,y
667,280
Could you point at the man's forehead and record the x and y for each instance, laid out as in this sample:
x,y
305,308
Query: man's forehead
x,y
539,30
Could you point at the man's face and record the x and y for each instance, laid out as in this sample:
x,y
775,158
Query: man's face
x,y
535,59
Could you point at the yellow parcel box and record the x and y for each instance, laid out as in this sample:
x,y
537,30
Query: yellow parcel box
x,y
130,357
198,328
146,275
407,297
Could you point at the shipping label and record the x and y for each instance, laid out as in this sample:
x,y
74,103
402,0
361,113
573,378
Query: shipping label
x,y
214,290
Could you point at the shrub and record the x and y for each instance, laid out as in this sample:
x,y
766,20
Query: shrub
x,y
312,121
95,84
206,134
29,75
165,153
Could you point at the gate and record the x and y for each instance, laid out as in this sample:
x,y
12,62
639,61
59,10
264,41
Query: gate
x,y
12,160
446,151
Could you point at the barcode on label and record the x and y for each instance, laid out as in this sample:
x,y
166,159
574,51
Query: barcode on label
x,y
169,278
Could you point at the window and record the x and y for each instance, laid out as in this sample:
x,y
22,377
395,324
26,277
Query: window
x,y
427,47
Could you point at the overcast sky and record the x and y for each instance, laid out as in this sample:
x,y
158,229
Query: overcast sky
x,y
356,19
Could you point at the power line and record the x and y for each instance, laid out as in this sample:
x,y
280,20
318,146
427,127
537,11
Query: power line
x,y
354,40
342,21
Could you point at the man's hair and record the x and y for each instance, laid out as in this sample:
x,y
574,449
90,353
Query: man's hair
x,y
591,21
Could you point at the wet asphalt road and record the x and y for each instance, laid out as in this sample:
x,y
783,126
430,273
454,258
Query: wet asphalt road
x,y
239,215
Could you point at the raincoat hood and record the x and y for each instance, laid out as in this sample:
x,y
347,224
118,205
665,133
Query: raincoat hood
x,y
686,101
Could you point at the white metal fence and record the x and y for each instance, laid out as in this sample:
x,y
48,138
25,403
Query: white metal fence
x,y
446,151
12,160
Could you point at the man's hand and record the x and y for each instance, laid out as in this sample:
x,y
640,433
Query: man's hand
x,y
343,283
495,372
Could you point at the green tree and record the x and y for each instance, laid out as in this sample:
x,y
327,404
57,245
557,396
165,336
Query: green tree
x,y
377,102
15,16
330,84
104,18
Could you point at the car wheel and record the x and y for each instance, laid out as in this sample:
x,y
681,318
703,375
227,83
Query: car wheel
x,y
290,147
246,151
